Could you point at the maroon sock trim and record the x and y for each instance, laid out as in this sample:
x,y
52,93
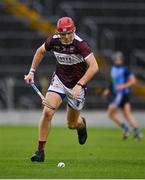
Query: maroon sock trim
x,y
41,145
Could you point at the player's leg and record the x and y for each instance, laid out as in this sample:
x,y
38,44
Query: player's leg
x,y
114,105
113,114
127,113
75,121
131,120
54,100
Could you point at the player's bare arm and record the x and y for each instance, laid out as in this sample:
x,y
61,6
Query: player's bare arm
x,y
132,81
40,52
91,71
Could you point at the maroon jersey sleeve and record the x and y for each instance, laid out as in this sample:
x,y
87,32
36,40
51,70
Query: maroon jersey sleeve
x,y
84,49
48,43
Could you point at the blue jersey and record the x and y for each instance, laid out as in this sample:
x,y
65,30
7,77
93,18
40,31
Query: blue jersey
x,y
119,76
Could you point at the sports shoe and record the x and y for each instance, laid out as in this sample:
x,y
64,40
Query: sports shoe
x,y
137,134
39,156
82,133
126,134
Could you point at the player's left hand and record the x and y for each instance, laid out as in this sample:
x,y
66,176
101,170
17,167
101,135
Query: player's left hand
x,y
120,87
76,91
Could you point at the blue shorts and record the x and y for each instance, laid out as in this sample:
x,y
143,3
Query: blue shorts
x,y
119,100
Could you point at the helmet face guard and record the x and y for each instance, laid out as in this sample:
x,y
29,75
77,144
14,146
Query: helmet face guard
x,y
65,25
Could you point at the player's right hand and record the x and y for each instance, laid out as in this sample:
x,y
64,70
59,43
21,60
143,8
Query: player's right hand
x,y
105,93
29,78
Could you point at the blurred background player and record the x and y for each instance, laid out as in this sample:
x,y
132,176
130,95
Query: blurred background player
x,y
122,79
76,65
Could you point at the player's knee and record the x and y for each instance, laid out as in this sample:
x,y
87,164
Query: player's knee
x,y
110,114
126,112
48,113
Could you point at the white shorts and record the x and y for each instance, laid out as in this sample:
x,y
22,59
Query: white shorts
x,y
58,87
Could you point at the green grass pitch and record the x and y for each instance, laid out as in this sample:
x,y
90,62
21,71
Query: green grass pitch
x,y
105,155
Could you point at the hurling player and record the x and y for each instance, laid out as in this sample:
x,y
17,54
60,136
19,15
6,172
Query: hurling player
x,y
76,66
122,79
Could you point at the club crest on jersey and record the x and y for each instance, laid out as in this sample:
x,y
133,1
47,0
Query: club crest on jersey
x,y
72,48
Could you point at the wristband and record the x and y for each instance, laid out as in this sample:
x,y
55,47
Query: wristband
x,y
32,71
79,84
